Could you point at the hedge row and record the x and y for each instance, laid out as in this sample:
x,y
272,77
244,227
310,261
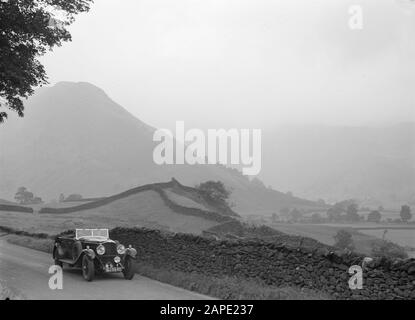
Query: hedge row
x,y
25,233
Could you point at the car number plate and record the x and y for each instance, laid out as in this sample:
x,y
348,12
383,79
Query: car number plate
x,y
113,269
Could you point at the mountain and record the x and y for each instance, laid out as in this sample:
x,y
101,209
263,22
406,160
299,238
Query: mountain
x,y
375,165
75,139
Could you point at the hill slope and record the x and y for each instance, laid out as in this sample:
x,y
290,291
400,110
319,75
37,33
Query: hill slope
x,y
166,206
2,201
373,164
75,139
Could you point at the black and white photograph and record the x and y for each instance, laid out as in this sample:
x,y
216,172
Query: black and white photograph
x,y
207,154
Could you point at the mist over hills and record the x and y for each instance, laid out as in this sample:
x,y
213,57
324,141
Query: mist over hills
x,y
375,165
75,139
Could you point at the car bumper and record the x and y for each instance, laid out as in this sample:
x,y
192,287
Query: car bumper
x,y
108,265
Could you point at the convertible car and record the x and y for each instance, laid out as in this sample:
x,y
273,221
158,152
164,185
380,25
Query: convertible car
x,y
93,252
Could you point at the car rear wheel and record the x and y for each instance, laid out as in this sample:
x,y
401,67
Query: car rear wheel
x,y
88,268
128,268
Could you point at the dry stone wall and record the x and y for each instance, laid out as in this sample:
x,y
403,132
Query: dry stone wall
x,y
272,263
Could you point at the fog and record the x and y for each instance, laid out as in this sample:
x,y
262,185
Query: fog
x,y
246,63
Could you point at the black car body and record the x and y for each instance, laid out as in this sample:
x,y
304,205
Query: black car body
x,y
93,252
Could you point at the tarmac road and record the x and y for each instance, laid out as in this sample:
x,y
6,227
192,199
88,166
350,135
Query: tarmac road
x,y
25,272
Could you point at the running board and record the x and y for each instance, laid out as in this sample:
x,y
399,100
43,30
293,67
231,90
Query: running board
x,y
68,261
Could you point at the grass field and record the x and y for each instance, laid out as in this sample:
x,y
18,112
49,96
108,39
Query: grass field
x,y
363,234
2,201
403,237
228,287
184,201
145,209
325,234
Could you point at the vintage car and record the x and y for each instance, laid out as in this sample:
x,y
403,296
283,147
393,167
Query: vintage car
x,y
93,252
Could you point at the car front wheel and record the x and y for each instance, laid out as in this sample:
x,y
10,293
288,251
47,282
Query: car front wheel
x,y
88,268
128,268
58,263
56,260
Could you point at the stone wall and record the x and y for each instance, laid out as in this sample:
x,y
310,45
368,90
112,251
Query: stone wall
x,y
14,208
272,262
157,187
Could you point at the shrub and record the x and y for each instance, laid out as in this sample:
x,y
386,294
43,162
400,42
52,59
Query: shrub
x,y
406,214
388,249
74,197
343,240
214,191
374,216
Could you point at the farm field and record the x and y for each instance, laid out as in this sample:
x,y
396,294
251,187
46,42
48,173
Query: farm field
x,y
386,213
364,234
403,237
400,233
144,209
325,234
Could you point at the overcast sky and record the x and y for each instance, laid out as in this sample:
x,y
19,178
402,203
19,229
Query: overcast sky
x,y
246,63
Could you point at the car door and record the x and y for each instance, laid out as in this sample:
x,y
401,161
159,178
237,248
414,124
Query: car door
x,y
66,244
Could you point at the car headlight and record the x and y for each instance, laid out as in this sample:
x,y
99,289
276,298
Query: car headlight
x,y
100,249
117,259
120,249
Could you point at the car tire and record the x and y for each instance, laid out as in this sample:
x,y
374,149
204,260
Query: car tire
x,y
56,260
128,268
88,268
58,263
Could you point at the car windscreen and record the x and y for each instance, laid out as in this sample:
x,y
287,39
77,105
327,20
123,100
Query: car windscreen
x,y
81,233
100,233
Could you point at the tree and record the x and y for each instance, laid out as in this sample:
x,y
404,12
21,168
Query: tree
x,y
74,197
214,191
343,240
406,214
36,200
316,218
351,212
28,29
334,213
296,214
374,216
23,196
